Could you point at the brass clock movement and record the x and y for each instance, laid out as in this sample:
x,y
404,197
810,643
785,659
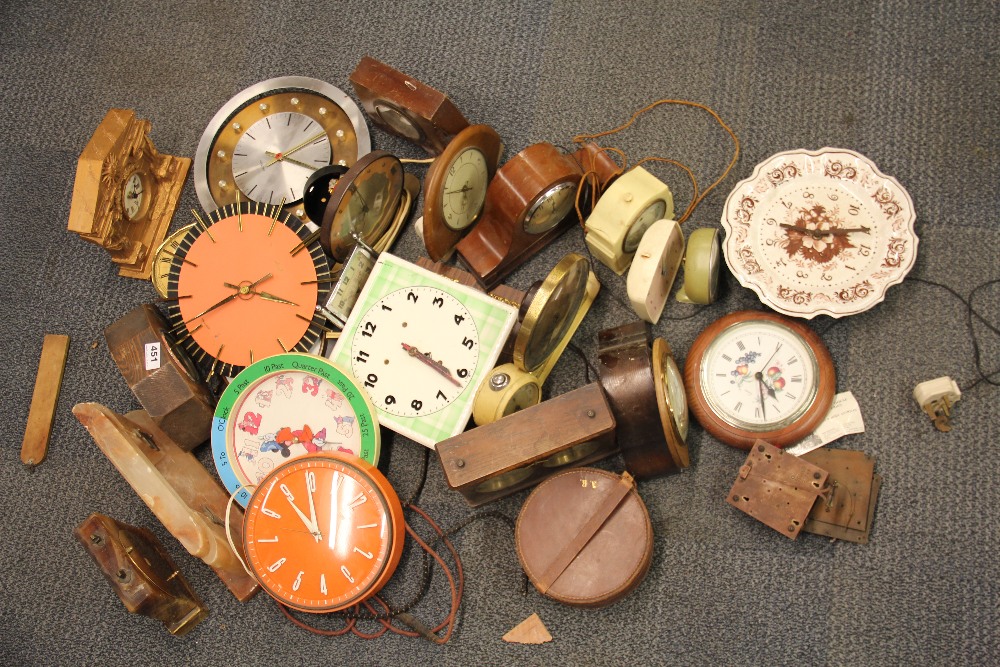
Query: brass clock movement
x,y
125,192
400,104
266,141
528,204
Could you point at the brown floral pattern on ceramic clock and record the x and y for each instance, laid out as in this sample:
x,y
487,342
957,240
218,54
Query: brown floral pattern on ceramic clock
x,y
820,232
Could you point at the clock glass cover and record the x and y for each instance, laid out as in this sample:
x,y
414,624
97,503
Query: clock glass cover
x,y
551,208
649,215
323,532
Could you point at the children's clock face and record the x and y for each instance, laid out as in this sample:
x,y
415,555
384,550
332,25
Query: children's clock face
x,y
415,351
284,407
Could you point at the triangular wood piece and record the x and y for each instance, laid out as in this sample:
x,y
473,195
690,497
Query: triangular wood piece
x,y
529,631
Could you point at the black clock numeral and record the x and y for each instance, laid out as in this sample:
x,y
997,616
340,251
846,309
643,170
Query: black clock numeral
x,y
410,296
390,400
369,330
796,378
371,380
458,320
441,395
438,301
362,357
727,357
790,395
740,345
793,360
385,307
739,406
468,342
416,405
756,413
463,372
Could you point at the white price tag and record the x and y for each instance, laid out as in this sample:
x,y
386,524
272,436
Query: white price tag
x,y
843,419
152,356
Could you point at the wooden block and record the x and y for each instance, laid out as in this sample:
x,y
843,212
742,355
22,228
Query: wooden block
x,y
529,631
35,447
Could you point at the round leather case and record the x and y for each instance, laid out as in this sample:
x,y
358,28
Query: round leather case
x,y
584,537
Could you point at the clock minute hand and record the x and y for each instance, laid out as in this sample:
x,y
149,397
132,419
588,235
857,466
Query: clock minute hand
x,y
239,291
283,154
264,295
760,386
820,233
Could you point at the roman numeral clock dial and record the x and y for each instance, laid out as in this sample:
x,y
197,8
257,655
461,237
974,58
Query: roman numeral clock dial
x,y
753,375
323,532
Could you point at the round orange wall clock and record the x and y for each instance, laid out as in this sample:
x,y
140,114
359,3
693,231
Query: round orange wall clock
x,y
323,532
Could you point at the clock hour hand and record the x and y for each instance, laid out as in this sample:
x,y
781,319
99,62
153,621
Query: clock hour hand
x,y
820,233
283,154
436,365
464,188
310,487
264,295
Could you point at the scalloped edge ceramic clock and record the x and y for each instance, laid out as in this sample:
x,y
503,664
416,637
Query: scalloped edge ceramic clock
x,y
420,345
819,232
284,407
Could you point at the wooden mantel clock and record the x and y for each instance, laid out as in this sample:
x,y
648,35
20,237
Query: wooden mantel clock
x,y
125,192
528,204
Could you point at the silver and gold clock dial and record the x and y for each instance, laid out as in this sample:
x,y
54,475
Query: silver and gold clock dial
x,y
759,375
465,188
551,208
266,142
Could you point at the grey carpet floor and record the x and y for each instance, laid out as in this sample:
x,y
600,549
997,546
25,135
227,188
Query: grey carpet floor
x,y
912,85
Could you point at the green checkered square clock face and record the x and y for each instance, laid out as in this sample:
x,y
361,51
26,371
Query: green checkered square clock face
x,y
420,345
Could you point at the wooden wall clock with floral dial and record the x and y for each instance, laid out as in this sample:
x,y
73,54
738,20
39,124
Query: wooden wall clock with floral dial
x,y
528,204
266,141
323,532
244,285
754,375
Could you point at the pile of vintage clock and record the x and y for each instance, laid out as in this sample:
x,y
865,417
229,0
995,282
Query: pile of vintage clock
x,y
290,257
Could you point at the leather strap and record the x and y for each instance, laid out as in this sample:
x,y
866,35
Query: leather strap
x,y
587,531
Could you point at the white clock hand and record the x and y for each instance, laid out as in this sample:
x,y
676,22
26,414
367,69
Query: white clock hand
x,y
310,487
334,524
310,526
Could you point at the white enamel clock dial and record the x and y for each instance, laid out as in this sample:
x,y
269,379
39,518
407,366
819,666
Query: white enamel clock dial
x,y
415,351
420,344
132,196
465,188
759,376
